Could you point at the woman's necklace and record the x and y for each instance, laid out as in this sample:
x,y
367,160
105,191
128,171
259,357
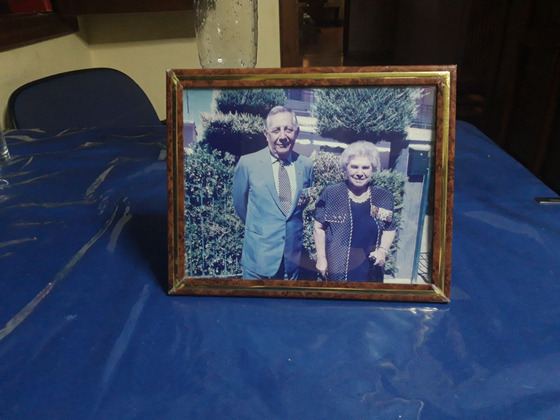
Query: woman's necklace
x,y
362,198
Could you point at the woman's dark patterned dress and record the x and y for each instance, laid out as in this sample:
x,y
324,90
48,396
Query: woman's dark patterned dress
x,y
353,230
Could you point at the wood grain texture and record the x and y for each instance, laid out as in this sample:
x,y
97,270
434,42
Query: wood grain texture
x,y
86,7
19,30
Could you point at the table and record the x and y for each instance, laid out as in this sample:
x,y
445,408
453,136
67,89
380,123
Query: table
x,y
88,331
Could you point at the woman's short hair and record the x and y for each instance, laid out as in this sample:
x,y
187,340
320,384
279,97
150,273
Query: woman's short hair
x,y
278,110
360,148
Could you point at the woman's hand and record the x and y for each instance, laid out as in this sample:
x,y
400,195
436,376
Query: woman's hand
x,y
379,256
322,266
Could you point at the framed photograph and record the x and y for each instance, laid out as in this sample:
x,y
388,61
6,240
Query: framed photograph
x,y
333,183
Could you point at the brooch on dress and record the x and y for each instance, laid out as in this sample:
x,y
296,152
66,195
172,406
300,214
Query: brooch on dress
x,y
380,213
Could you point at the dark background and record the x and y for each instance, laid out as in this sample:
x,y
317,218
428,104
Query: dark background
x,y
507,52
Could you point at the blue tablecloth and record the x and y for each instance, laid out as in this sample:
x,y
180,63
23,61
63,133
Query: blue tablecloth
x,y
88,331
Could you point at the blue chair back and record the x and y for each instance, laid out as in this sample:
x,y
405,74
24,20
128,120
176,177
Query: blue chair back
x,y
97,97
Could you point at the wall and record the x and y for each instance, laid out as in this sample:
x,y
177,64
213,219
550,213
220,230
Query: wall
x,y
24,64
143,45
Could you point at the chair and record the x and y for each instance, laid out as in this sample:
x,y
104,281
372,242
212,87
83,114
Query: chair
x,y
97,97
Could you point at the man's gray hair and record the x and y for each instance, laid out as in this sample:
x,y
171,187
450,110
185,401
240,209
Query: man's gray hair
x,y
278,110
360,148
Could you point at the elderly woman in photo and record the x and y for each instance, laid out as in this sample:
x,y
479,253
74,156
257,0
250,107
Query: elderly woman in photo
x,y
354,225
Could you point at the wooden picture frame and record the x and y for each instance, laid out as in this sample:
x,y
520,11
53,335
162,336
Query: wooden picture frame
x,y
216,116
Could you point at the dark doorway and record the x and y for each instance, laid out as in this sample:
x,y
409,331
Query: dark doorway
x,y
312,33
321,33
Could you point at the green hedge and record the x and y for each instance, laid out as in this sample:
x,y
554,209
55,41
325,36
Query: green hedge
x,y
237,122
213,232
249,101
238,134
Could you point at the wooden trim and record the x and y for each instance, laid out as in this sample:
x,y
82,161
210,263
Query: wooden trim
x,y
289,33
345,29
87,7
19,30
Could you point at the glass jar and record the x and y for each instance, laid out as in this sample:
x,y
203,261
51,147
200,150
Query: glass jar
x,y
226,33
4,153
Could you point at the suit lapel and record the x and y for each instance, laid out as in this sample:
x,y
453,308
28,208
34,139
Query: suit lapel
x,y
299,168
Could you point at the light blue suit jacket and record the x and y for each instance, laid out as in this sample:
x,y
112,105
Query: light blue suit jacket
x,y
269,234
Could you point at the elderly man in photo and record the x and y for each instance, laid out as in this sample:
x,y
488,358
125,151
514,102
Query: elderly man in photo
x,y
270,190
